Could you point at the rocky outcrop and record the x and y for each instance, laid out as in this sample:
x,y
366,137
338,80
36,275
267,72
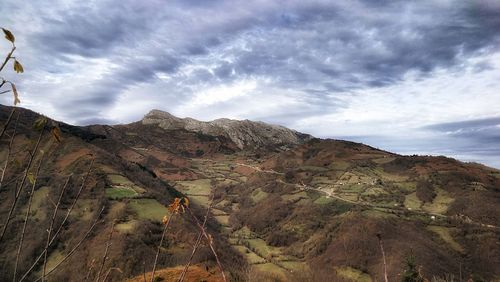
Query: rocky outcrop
x,y
244,133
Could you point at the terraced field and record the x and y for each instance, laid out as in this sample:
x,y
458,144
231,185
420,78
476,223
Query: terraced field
x,y
380,194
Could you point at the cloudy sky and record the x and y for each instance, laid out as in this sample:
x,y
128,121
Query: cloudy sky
x,y
407,76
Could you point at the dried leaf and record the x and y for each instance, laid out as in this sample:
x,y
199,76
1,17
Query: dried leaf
x,y
39,123
56,133
18,67
16,95
165,220
31,178
8,35
174,207
186,202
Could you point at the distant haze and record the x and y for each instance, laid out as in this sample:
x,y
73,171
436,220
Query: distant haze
x,y
414,77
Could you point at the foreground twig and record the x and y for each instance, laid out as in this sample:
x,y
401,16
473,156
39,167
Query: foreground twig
x,y
105,256
109,271
49,231
75,247
159,246
90,270
82,186
383,256
18,192
32,192
9,150
9,56
198,241
7,122
209,240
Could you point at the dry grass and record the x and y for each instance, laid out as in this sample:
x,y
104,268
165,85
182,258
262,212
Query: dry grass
x,y
440,203
195,273
352,274
445,234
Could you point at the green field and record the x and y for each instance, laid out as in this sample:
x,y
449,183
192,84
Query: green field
x,y
296,196
119,179
84,209
294,265
352,274
412,201
261,248
200,200
324,200
258,195
126,227
195,187
39,196
121,192
270,268
444,233
440,203
148,209
222,219
250,256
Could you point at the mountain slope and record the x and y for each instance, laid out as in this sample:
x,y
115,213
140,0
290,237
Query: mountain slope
x,y
308,213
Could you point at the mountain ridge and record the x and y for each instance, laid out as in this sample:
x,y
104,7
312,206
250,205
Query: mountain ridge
x,y
244,133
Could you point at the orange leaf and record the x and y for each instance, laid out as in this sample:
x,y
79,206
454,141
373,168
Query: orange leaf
x,y
56,133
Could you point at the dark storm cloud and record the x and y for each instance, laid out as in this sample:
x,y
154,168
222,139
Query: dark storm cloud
x,y
94,53
485,131
334,46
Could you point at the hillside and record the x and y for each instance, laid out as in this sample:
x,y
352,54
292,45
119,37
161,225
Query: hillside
x,y
287,206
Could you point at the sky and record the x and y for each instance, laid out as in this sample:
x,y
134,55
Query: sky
x,y
412,77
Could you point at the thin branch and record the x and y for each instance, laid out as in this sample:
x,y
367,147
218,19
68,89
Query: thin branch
x,y
9,56
92,263
63,222
209,240
105,257
7,122
109,271
198,241
159,246
144,270
49,231
75,247
383,256
32,157
9,150
27,215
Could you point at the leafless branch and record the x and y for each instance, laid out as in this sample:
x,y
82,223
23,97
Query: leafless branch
x,y
33,185
82,186
109,271
209,240
49,231
75,247
9,150
105,256
159,246
198,241
18,192
9,56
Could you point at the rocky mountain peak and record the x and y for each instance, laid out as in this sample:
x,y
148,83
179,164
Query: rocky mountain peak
x,y
244,133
